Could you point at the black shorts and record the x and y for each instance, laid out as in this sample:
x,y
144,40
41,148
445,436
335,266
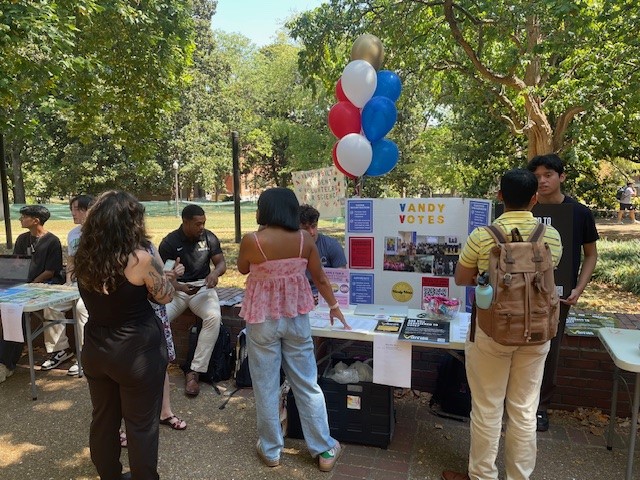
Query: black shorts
x,y
627,206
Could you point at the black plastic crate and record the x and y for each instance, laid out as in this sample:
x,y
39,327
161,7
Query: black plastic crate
x,y
361,413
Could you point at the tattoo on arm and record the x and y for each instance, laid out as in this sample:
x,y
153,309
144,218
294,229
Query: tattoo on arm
x,y
160,286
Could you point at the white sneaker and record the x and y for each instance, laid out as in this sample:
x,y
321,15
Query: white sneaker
x,y
56,359
328,459
74,370
4,372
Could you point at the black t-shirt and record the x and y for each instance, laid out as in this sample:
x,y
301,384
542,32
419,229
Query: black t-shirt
x,y
584,231
46,254
194,255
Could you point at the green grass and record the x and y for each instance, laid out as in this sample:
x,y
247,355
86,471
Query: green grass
x,y
220,220
618,263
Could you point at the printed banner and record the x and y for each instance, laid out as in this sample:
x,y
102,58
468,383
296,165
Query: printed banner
x,y
323,189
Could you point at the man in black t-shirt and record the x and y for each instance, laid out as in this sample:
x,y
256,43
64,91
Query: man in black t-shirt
x,y
46,266
549,171
198,249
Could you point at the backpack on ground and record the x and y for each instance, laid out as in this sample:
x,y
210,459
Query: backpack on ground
x,y
525,307
222,359
241,372
452,397
241,369
620,192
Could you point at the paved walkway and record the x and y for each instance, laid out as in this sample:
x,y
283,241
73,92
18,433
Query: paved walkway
x,y
47,439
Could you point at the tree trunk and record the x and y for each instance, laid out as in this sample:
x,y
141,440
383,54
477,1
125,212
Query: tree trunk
x,y
15,150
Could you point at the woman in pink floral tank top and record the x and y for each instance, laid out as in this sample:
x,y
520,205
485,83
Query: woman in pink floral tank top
x,y
275,308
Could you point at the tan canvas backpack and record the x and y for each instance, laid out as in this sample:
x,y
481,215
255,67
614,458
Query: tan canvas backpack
x,y
525,307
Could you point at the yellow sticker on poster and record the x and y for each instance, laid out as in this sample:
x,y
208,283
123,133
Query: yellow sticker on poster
x,y
402,292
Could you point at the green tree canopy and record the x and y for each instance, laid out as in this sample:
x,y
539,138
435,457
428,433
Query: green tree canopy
x,y
555,74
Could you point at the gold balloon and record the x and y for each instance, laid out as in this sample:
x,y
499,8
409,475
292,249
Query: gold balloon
x,y
369,48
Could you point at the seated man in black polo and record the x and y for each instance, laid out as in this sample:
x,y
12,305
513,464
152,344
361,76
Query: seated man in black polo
x,y
46,266
198,250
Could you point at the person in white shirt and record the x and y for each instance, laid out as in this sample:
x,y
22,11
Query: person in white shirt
x,y
55,336
625,204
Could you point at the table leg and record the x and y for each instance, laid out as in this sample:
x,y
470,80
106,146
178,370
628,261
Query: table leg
x,y
614,407
76,330
634,427
27,329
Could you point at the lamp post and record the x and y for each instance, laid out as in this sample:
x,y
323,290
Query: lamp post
x,y
175,169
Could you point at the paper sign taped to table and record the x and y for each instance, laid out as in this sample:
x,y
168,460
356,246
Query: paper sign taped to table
x,y
391,361
12,322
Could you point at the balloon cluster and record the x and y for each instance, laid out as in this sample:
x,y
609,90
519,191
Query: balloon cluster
x,y
365,112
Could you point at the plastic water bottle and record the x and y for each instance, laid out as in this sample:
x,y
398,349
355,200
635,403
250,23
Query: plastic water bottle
x,y
484,291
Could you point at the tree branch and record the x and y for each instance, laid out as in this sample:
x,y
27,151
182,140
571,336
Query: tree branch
x,y
510,80
562,124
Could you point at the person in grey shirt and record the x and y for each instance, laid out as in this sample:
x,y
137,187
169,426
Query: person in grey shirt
x,y
626,203
330,250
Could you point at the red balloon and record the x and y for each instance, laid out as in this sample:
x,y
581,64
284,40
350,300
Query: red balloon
x,y
337,164
344,118
339,92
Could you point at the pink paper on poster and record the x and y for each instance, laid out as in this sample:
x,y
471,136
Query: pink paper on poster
x,y
339,279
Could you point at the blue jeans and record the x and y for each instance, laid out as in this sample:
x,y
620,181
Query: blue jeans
x,y
286,342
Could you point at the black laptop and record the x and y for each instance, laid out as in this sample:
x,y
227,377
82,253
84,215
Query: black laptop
x,y
14,270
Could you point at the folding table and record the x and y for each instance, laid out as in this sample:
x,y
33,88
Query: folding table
x,y
37,296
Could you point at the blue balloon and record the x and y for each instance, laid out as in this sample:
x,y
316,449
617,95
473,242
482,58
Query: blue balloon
x,y
378,117
385,158
389,85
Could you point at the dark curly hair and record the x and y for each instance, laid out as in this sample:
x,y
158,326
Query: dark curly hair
x,y
113,230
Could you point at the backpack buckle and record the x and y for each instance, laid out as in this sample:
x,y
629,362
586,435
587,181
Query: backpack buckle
x,y
507,279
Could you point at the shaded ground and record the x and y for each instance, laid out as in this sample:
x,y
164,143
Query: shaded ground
x,y
48,439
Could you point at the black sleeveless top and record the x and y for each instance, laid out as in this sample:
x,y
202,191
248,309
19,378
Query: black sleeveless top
x,y
127,305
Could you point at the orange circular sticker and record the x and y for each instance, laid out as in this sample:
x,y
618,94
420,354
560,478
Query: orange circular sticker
x,y
402,292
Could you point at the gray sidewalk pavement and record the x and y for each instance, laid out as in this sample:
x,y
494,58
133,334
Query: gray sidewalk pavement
x,y
48,439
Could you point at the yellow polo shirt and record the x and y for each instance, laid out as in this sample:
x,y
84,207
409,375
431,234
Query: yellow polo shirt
x,y
475,252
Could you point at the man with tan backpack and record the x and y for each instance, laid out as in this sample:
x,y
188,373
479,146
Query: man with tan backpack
x,y
509,339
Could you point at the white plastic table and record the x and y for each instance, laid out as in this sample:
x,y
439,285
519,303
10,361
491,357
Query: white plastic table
x,y
37,296
624,347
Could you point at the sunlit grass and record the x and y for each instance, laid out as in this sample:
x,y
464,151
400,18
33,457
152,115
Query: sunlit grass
x,y
615,286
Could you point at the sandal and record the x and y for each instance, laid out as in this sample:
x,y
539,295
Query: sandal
x,y
123,439
174,422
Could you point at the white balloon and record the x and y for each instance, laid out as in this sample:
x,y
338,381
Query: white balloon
x,y
354,154
359,81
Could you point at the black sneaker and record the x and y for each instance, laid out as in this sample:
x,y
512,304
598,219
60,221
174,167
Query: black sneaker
x,y
542,421
56,359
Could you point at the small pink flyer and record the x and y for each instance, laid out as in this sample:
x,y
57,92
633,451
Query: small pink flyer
x,y
339,280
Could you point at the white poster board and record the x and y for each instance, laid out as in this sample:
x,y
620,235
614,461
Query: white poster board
x,y
400,250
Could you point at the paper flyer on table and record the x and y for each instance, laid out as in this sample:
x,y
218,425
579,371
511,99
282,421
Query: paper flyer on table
x,y
12,322
320,319
391,361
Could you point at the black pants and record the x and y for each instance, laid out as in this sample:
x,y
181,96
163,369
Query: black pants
x,y
10,353
125,368
553,359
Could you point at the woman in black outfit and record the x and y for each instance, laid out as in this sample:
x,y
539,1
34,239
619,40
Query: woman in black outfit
x,y
124,354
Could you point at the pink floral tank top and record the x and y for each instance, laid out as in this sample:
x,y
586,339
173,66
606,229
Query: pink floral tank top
x,y
277,288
